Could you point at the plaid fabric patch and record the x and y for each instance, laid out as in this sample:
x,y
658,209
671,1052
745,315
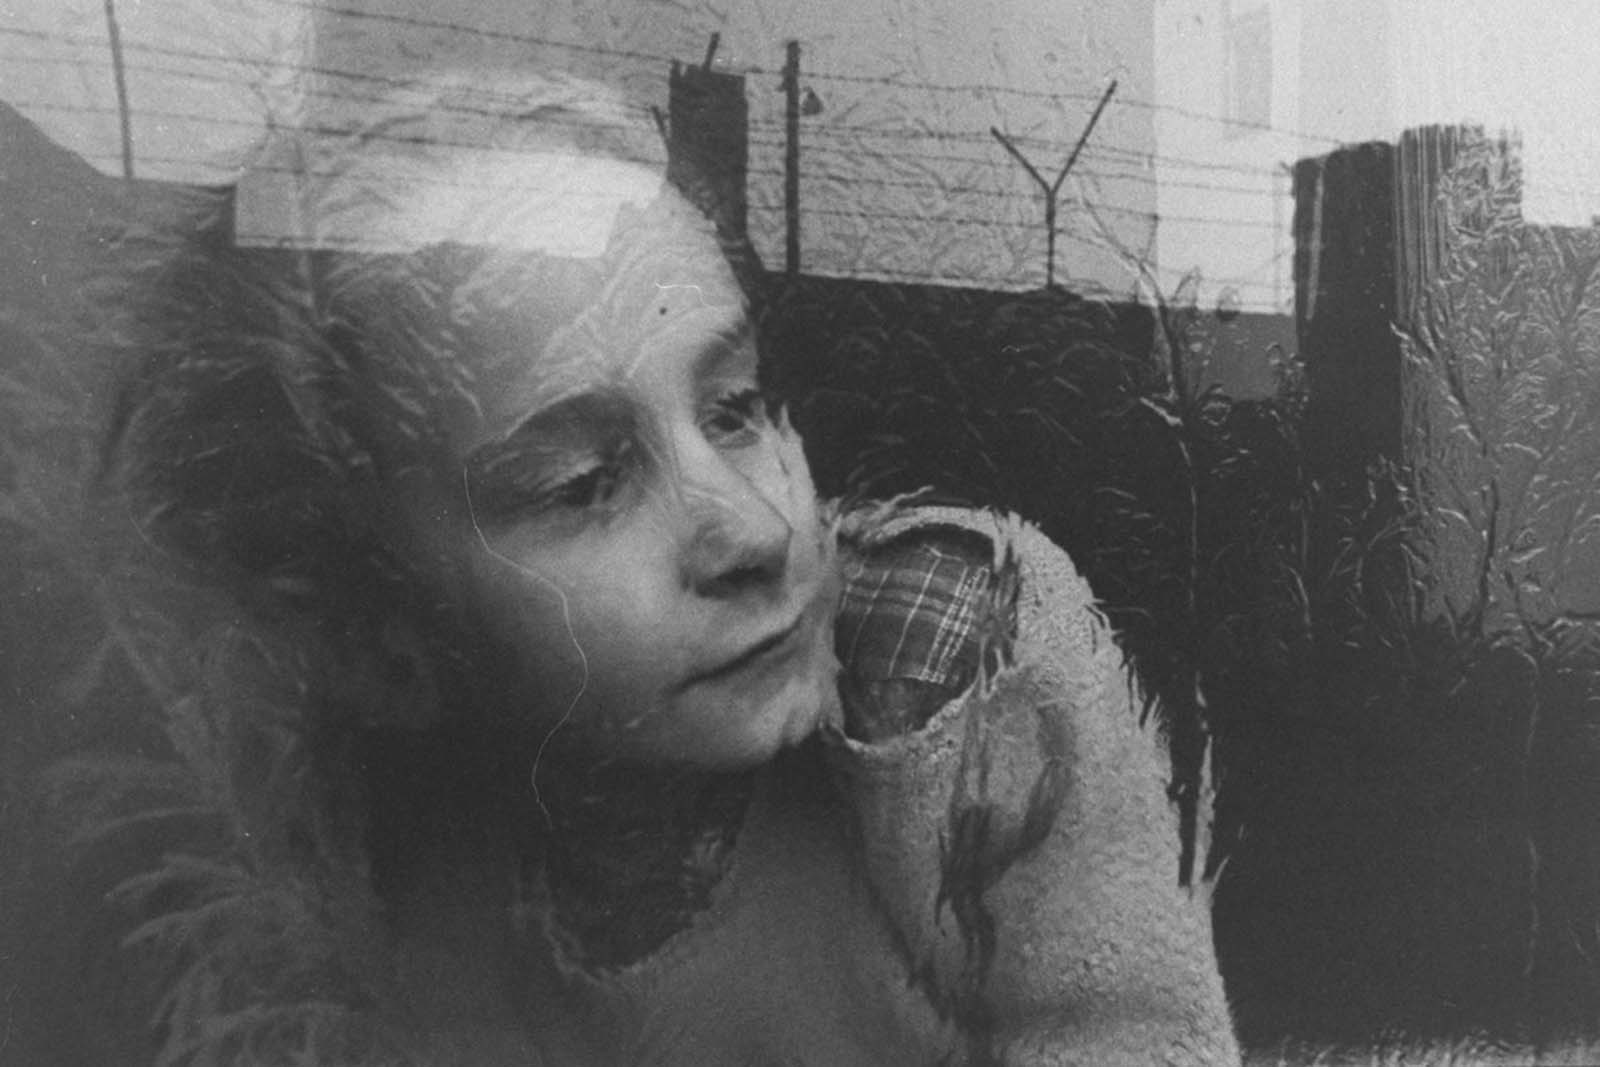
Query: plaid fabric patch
x,y
909,612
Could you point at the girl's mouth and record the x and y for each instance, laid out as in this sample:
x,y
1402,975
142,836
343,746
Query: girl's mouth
x,y
768,648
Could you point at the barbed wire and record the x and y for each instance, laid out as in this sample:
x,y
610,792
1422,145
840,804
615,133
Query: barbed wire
x,y
276,66
906,133
1139,177
515,37
1133,156
831,130
365,135
1263,294
923,85
462,108
312,172
1138,157
1081,97
817,135
825,129
1152,216
637,55
308,89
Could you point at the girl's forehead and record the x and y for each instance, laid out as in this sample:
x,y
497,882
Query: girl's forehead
x,y
684,337
541,330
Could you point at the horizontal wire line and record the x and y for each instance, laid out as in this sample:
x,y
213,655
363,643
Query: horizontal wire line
x,y
1134,155
1004,194
514,37
366,136
974,88
279,66
967,279
970,220
436,142
401,83
869,180
859,79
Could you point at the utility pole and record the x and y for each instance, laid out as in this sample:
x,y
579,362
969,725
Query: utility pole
x,y
791,160
1052,190
121,77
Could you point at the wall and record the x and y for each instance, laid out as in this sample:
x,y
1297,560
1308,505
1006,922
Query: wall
x,y
901,179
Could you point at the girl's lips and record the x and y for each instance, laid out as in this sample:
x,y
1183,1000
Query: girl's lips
x,y
762,650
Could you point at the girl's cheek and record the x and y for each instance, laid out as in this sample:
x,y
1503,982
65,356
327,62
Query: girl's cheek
x,y
793,468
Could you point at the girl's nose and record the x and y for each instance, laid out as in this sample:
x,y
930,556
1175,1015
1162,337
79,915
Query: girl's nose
x,y
738,541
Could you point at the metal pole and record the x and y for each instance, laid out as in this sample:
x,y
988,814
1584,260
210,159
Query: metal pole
x,y
1105,98
791,160
1050,242
122,89
1052,190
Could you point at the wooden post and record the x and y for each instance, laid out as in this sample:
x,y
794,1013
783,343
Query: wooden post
x,y
791,160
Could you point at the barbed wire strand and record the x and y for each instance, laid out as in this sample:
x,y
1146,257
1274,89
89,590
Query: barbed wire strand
x,y
826,130
921,85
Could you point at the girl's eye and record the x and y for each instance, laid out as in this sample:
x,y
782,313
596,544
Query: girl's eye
x,y
513,495
592,488
741,412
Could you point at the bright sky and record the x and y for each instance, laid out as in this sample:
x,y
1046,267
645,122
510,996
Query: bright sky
x,y
1530,67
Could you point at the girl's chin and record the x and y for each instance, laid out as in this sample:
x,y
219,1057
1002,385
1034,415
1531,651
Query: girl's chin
x,y
789,717
793,705
732,722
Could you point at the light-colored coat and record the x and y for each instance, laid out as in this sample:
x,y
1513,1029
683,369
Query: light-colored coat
x,y
1075,943
998,887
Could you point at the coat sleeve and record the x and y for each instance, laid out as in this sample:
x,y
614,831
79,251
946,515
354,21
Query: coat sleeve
x,y
1023,846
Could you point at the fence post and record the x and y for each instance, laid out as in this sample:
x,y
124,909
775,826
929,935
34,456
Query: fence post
x,y
119,73
791,160
1052,190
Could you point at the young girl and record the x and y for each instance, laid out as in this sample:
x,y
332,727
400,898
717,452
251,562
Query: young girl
x,y
555,721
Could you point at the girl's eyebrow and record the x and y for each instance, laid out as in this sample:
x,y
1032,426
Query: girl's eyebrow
x,y
601,410
572,421
734,341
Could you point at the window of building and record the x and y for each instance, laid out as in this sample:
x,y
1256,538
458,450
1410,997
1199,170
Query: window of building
x,y
1249,71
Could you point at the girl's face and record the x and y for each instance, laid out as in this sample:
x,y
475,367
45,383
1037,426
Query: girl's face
x,y
644,533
